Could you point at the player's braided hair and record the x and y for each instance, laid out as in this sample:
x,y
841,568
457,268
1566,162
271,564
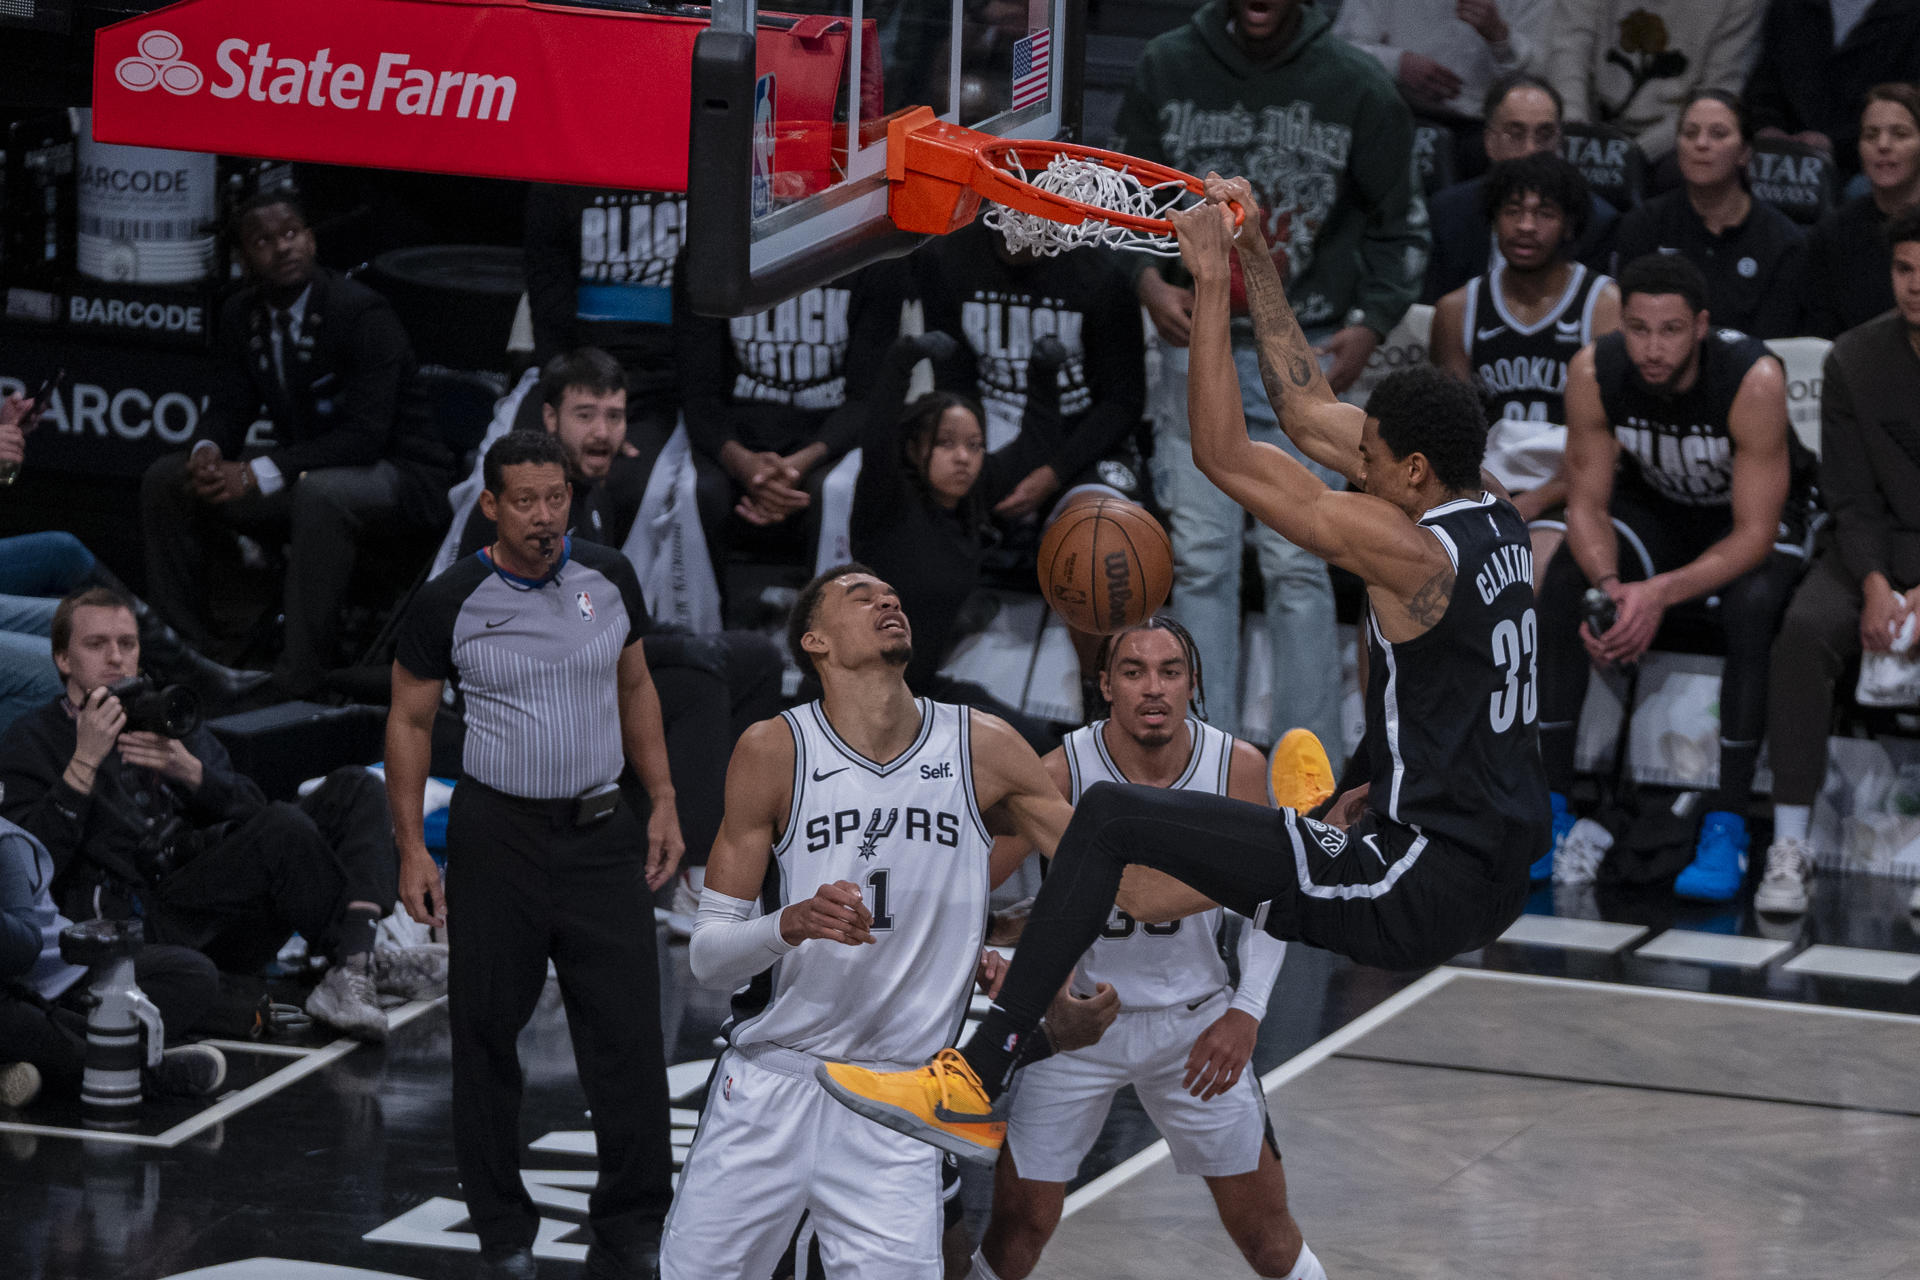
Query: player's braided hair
x,y
1197,700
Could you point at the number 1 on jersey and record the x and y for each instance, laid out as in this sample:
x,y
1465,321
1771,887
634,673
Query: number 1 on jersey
x,y
877,881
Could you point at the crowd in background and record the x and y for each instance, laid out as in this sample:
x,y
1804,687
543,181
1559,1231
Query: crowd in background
x,y
1578,141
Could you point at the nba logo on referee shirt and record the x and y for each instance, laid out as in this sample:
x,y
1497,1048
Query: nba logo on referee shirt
x,y
585,602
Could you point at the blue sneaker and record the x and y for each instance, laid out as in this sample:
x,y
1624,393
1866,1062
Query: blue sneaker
x,y
1719,863
1563,821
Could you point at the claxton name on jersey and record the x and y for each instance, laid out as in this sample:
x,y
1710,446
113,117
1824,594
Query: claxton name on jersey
x,y
872,825
1507,565
318,81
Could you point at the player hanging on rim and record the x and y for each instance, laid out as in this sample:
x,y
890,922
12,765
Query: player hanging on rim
x,y
875,808
1184,1036
1457,805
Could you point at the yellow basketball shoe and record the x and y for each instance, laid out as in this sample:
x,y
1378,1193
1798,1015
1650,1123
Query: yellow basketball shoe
x,y
1301,775
941,1103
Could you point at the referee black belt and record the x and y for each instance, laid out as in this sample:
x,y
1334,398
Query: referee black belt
x,y
560,813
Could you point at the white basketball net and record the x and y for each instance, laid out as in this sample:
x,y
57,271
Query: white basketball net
x,y
1090,182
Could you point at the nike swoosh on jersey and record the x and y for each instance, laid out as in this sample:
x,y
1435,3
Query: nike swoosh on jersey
x,y
822,777
1487,335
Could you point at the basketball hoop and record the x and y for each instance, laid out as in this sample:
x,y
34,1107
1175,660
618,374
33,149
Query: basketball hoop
x,y
1051,196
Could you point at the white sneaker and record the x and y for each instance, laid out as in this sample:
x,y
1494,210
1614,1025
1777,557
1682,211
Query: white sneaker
x,y
1783,890
1577,860
347,1001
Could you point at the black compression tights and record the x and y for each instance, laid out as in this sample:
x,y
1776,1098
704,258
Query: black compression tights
x,y
1227,849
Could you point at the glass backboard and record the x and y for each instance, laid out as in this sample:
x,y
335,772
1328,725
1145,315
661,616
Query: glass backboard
x,y
788,190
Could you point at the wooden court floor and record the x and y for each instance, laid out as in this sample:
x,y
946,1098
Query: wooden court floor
x,y
1494,1126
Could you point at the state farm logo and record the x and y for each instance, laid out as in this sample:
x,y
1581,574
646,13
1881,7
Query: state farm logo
x,y
159,64
250,70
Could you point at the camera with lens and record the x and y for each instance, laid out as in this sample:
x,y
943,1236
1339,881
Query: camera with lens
x,y
166,846
1599,610
172,711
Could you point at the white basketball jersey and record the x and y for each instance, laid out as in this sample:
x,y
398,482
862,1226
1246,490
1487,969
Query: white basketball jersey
x,y
1155,966
910,834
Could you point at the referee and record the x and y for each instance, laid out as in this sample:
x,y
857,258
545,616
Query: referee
x,y
540,637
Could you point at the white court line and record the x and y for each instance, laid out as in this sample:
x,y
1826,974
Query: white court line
x,y
311,1060
259,1046
1708,997
1298,1064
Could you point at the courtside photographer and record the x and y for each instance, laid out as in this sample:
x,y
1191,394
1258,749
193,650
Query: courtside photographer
x,y
144,815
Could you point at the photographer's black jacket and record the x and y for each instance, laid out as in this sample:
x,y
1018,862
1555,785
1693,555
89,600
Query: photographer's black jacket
x,y
93,837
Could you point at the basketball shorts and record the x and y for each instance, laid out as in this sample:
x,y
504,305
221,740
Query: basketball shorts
x,y
771,1146
1061,1102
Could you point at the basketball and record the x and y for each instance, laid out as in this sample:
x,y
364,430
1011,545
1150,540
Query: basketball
x,y
1105,564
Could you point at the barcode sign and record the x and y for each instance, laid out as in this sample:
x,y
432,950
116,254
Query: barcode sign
x,y
146,229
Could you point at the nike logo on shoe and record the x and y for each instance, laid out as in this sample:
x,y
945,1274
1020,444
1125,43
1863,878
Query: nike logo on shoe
x,y
822,777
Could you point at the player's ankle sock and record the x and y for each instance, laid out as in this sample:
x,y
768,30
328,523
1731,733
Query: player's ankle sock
x,y
980,1270
1792,821
1306,1266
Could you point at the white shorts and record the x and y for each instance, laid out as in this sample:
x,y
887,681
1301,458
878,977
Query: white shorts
x,y
772,1145
1060,1103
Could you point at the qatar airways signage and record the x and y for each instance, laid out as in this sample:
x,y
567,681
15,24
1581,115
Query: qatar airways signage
x,y
495,88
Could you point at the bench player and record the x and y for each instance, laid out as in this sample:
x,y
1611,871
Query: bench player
x,y
875,809
1184,1036
1456,808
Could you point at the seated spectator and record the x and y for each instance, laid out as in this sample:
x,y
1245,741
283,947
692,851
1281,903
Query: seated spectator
x,y
140,824
36,569
1512,331
43,1005
1865,581
1848,254
1751,254
996,304
1817,62
600,265
711,686
772,401
1708,516
920,514
1523,119
1445,53
355,458
1632,63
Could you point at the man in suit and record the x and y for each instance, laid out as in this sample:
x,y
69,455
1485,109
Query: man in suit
x,y
1523,114
1864,586
354,454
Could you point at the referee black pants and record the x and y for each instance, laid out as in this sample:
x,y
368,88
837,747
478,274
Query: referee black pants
x,y
525,885
1378,892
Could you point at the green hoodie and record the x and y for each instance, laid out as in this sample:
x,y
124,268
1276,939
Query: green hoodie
x,y
1323,136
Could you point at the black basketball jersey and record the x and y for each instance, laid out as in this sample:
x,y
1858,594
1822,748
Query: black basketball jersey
x,y
1453,714
1521,370
1678,446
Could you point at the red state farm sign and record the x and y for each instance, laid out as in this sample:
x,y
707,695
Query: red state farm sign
x,y
495,88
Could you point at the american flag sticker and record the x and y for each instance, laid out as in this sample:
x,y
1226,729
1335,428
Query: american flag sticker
x,y
1032,69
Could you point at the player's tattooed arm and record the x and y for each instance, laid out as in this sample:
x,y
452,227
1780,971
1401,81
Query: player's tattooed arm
x,y
1429,603
1326,429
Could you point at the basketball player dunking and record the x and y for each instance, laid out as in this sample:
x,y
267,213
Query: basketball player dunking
x,y
1457,805
875,808
1184,1036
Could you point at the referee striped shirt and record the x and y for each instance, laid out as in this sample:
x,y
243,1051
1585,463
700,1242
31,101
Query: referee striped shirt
x,y
534,666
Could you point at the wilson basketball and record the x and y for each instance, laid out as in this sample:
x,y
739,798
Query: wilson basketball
x,y
1105,564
